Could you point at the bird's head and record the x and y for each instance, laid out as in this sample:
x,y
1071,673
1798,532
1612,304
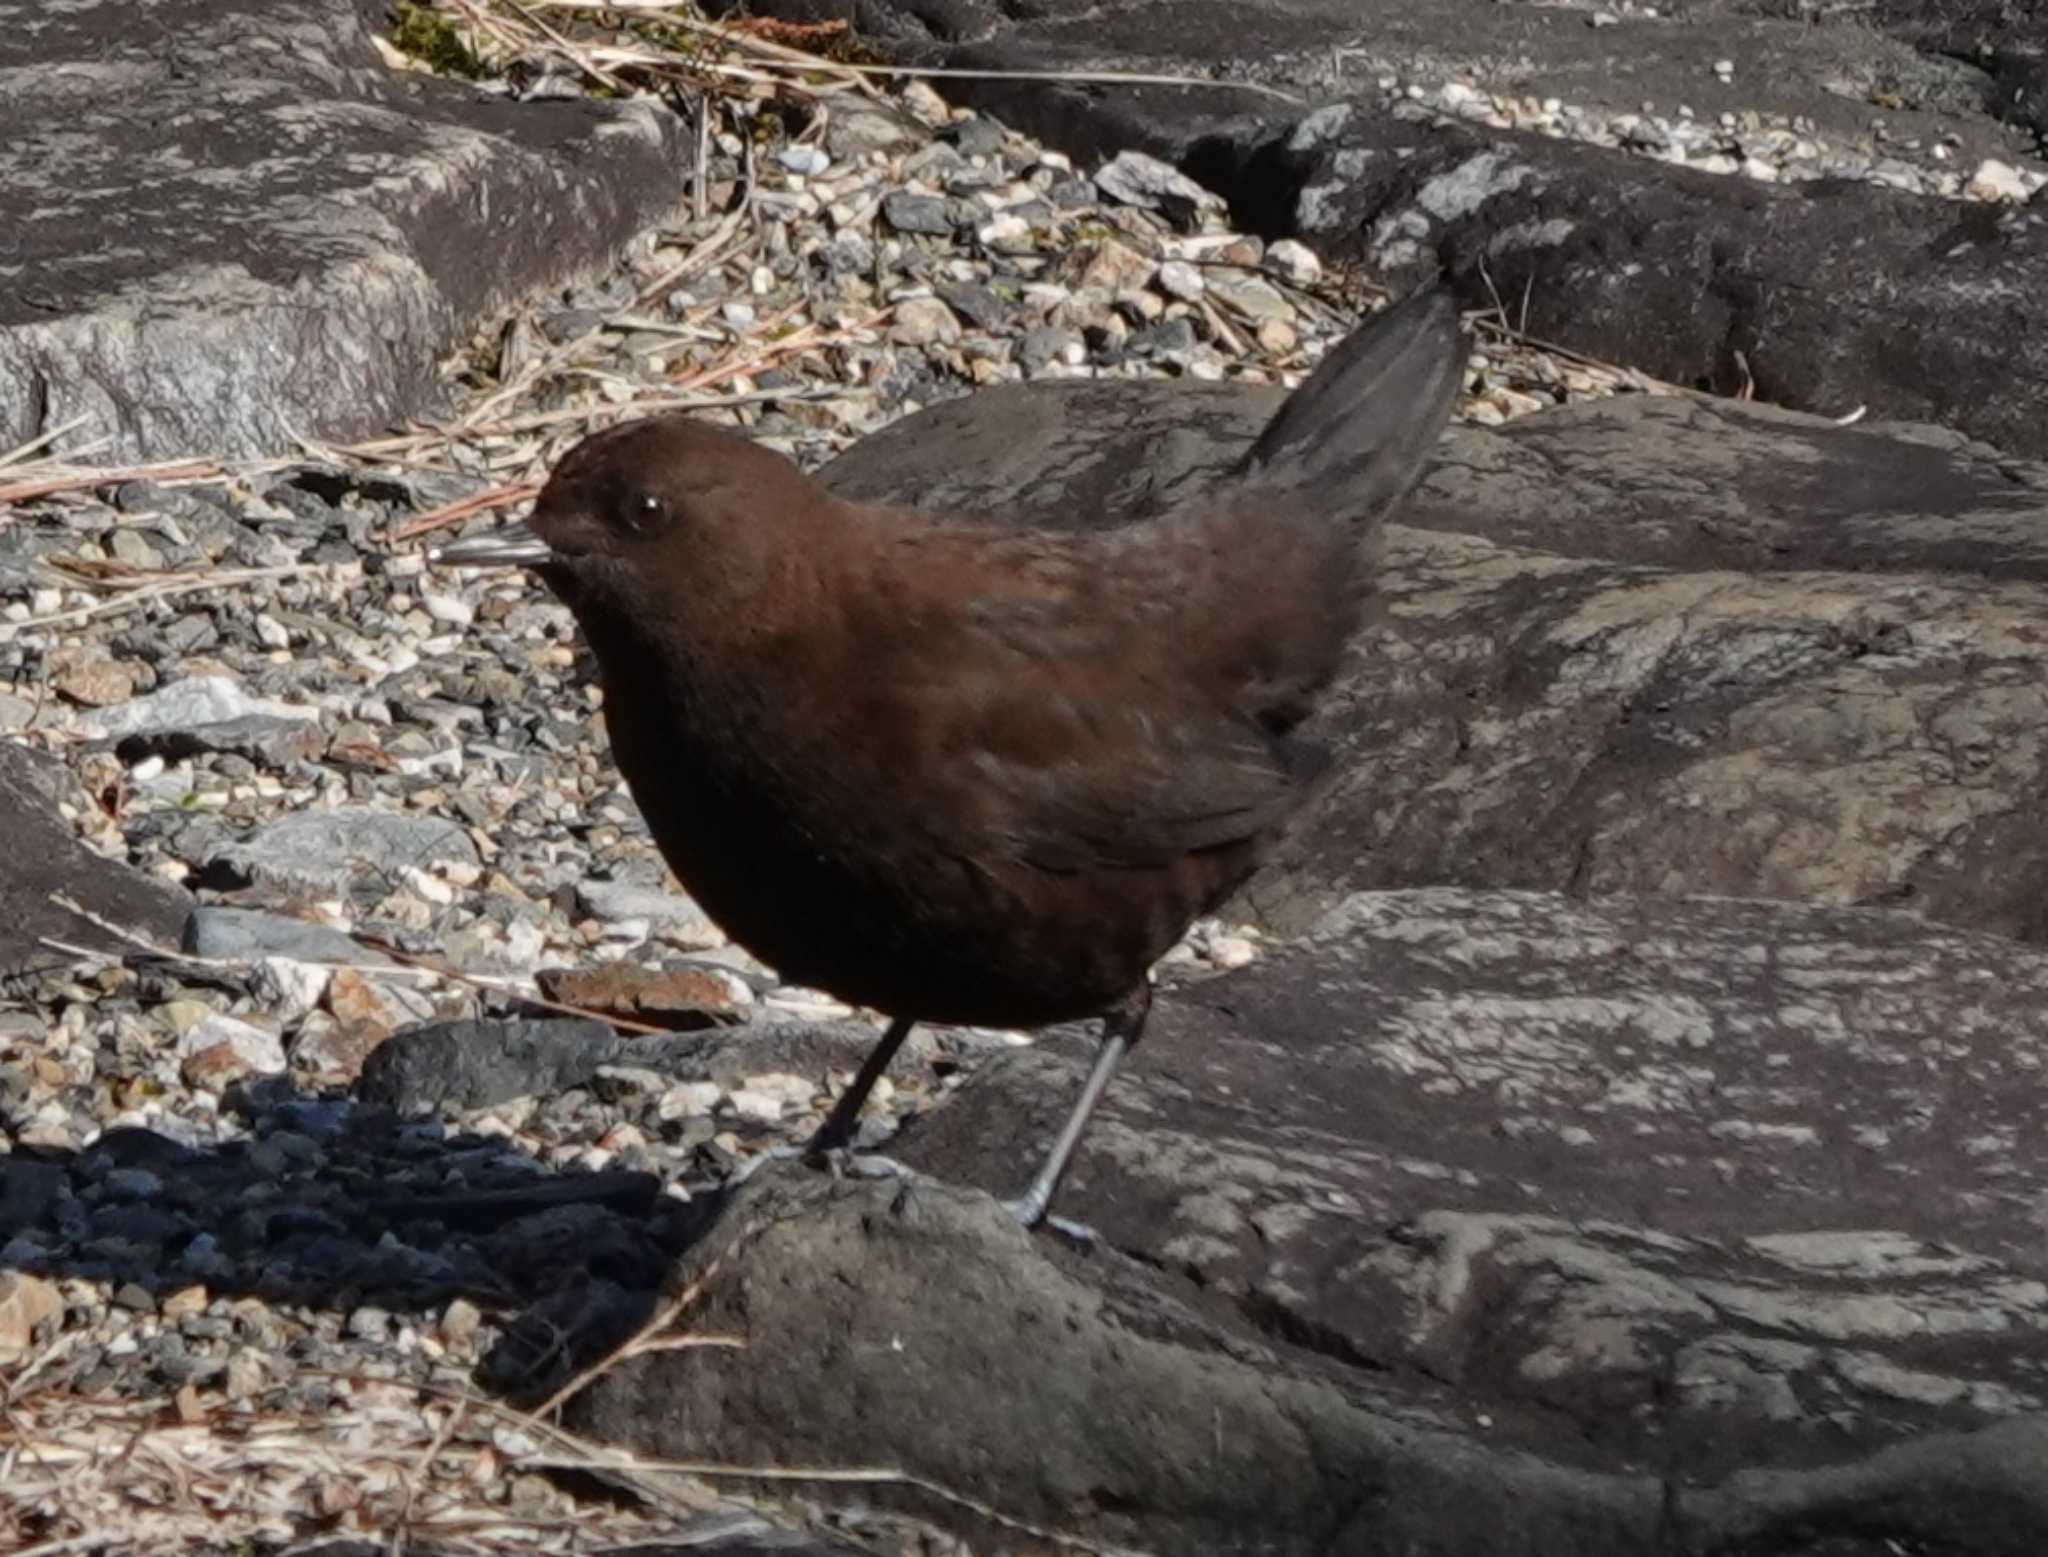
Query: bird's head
x,y
660,519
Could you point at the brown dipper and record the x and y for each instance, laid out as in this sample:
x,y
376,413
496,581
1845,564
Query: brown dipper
x,y
959,770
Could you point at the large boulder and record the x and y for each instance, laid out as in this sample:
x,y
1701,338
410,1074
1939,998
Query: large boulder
x,y
1476,1223
230,224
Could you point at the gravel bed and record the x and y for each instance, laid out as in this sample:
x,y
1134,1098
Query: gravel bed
x,y
346,1133
1772,148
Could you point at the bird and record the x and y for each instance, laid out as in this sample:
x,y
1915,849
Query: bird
x,y
962,770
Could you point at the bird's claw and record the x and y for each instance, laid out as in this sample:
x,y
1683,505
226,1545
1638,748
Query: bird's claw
x,y
1029,1212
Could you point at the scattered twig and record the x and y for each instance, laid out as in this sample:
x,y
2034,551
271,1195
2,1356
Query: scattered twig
x,y
166,586
71,478
21,451
462,507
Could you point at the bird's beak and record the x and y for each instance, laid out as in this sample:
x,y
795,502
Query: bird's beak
x,y
514,545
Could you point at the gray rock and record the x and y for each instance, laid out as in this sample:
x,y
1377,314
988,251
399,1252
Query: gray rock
x,y
976,137
329,851
44,856
249,934
915,213
1648,645
266,738
183,706
853,128
978,305
1044,344
320,226
1615,1227
1134,178
676,915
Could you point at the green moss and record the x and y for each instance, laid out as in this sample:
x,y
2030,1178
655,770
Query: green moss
x,y
432,39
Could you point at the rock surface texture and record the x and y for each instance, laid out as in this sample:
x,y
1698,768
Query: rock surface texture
x,y
1476,1222
1719,194
230,225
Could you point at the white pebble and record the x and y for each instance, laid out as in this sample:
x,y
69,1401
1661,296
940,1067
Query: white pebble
x,y
689,1100
1294,262
452,609
1231,951
749,1104
1995,180
809,161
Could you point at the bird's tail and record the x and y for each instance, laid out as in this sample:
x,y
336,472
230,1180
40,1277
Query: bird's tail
x,y
1367,418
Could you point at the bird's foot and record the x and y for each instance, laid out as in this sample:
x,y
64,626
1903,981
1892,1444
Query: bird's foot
x,y
1031,1215
873,1165
843,1162
760,1160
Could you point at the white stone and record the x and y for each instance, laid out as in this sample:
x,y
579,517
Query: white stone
x,y
749,1104
1294,262
452,609
1995,180
255,1049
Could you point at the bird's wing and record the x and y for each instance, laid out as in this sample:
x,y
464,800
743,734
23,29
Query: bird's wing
x,y
1050,689
1065,778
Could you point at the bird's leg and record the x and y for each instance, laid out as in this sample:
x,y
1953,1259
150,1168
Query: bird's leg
x,y
1122,1026
844,1120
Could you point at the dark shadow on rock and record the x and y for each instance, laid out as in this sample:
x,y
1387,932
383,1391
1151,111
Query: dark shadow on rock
x,y
369,1201
342,1208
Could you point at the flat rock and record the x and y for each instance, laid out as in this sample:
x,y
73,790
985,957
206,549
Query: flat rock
x,y
1477,1223
329,851
45,856
1653,644
265,232
250,934
187,705
675,915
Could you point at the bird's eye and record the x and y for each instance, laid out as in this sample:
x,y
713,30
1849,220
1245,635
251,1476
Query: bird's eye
x,y
643,511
